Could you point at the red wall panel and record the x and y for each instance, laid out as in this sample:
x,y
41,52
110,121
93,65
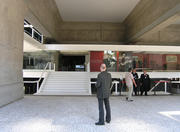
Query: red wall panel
x,y
96,59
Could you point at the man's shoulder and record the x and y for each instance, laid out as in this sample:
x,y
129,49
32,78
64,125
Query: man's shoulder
x,y
100,74
108,73
104,74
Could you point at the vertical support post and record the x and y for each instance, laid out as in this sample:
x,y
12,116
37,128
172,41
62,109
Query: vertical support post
x,y
37,89
54,66
32,33
116,92
50,66
29,60
165,87
42,39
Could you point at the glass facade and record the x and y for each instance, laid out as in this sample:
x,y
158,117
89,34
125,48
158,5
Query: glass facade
x,y
121,61
116,61
37,60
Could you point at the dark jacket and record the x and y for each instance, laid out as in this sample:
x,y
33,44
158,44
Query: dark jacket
x,y
103,85
136,78
135,75
145,81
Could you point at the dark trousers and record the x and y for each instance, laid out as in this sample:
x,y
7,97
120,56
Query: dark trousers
x,y
101,110
135,90
144,89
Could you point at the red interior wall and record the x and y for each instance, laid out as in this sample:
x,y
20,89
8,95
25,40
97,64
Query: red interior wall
x,y
96,59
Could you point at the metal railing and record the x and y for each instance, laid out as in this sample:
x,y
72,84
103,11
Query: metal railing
x,y
34,31
159,82
47,67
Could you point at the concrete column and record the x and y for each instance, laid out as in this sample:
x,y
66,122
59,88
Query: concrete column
x,y
56,60
87,62
11,50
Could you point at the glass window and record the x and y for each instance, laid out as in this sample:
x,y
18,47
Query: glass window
x,y
30,30
37,60
121,61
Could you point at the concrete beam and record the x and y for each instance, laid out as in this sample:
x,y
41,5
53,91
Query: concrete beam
x,y
123,48
150,16
166,36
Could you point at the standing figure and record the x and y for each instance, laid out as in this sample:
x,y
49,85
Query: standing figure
x,y
129,83
145,82
103,85
135,75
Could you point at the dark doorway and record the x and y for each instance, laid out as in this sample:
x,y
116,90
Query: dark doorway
x,y
73,63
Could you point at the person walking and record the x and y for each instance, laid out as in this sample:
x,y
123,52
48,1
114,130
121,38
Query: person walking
x,y
103,85
129,83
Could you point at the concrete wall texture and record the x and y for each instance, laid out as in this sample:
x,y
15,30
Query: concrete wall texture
x,y
11,50
46,13
167,36
146,13
91,32
12,14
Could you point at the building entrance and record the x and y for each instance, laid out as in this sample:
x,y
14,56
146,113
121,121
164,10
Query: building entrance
x,y
72,63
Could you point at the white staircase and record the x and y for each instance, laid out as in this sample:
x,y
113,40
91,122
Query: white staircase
x,y
65,83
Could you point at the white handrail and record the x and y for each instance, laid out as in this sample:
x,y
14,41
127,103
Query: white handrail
x,y
165,86
48,64
38,81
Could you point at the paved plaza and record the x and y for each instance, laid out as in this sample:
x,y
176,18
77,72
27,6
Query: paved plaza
x,y
78,114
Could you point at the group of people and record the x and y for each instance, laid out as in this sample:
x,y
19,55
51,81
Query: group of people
x,y
104,83
134,83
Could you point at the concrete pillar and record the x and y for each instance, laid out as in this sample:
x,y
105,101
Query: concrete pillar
x,y
11,50
56,60
87,62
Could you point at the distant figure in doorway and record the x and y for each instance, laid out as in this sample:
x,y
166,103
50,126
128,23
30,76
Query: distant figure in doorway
x,y
145,82
103,85
129,83
136,77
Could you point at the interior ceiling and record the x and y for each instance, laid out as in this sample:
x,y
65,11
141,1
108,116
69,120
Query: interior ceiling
x,y
95,10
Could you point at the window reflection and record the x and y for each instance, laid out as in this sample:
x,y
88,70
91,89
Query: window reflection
x,y
121,61
37,60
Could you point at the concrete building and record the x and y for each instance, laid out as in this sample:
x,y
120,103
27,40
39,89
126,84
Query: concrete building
x,y
141,22
56,46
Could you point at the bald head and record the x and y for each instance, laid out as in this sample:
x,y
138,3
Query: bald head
x,y
103,67
145,71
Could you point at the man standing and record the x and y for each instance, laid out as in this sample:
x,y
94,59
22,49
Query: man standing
x,y
129,83
145,83
135,75
103,86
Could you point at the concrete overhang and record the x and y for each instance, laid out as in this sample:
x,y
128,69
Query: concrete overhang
x,y
31,45
125,48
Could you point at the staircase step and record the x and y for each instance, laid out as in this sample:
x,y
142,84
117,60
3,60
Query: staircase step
x,y
65,90
66,83
60,93
59,88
